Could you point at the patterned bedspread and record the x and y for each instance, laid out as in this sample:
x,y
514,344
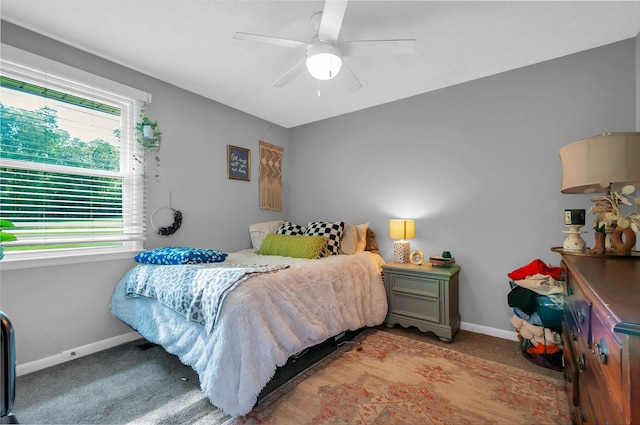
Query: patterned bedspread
x,y
263,321
195,291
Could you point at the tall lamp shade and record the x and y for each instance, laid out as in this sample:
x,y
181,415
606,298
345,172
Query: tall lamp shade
x,y
613,158
401,229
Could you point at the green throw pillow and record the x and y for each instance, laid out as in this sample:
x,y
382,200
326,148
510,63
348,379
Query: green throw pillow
x,y
295,246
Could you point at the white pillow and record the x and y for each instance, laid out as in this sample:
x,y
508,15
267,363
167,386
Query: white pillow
x,y
258,231
354,238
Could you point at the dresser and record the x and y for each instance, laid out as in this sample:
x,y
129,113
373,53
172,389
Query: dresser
x,y
601,335
423,296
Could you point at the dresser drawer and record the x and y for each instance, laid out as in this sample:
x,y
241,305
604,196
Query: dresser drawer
x,y
570,327
415,285
606,351
580,309
602,299
597,395
571,377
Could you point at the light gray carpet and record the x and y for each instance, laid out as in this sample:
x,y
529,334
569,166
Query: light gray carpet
x,y
130,384
137,382
125,384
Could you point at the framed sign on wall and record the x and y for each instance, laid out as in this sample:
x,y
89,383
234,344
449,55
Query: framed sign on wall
x,y
238,163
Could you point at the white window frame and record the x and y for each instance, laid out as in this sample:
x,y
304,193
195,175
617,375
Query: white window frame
x,y
17,63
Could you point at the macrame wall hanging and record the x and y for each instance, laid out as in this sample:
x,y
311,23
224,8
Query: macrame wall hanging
x,y
270,176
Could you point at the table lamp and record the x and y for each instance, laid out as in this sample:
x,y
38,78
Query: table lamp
x,y
401,229
601,164
611,157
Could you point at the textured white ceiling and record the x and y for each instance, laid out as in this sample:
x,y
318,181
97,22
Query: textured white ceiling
x,y
189,43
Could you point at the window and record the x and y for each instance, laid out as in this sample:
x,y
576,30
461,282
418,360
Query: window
x,y
68,177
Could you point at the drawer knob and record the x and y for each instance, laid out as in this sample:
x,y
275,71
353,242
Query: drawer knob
x,y
583,414
601,351
582,364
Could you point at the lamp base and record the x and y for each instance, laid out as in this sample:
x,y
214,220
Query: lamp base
x,y
401,252
574,242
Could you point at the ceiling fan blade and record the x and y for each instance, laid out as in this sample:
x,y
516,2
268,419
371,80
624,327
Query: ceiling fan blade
x,y
352,81
332,17
290,74
377,47
284,42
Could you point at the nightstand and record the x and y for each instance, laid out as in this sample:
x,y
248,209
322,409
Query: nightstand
x,y
423,296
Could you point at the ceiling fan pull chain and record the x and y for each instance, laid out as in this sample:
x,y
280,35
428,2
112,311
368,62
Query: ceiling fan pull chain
x,y
318,87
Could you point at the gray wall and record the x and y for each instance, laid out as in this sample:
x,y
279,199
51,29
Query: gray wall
x,y
58,308
476,165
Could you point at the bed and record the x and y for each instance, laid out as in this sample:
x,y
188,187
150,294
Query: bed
x,y
288,306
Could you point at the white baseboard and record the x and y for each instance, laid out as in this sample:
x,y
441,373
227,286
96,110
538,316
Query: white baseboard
x,y
75,353
498,333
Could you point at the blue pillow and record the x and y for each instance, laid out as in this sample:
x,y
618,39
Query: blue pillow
x,y
178,255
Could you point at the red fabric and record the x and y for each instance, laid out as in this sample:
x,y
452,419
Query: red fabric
x,y
535,267
542,349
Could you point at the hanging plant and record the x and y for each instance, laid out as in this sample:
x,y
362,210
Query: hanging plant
x,y
4,236
149,139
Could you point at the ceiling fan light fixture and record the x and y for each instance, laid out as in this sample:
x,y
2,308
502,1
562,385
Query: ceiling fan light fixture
x,y
323,61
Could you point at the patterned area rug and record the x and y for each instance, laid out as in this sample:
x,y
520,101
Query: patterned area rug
x,y
390,379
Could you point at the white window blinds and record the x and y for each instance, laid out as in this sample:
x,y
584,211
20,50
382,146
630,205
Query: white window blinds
x,y
68,178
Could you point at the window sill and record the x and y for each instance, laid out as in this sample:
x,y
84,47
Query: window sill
x,y
46,261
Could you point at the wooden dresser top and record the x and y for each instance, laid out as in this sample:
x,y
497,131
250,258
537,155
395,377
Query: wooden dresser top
x,y
615,282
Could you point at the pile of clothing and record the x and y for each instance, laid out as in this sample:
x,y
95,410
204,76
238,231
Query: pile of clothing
x,y
537,300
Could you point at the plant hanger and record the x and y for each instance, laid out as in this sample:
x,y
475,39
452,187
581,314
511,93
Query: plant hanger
x,y
149,139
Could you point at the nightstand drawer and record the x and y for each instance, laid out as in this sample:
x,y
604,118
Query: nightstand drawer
x,y
415,285
415,307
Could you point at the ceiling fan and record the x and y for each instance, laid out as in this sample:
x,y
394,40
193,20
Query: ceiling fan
x,y
325,52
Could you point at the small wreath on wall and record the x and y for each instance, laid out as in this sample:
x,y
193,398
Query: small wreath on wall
x,y
173,227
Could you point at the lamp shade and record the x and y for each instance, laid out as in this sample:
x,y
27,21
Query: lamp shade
x,y
613,158
323,61
402,229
